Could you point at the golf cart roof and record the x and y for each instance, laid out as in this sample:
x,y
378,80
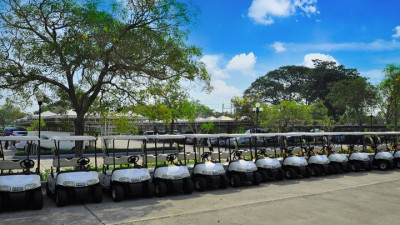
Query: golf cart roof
x,y
234,135
165,137
73,138
124,137
19,138
383,133
265,134
201,135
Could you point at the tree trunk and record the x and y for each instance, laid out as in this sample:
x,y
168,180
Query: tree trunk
x,y
79,130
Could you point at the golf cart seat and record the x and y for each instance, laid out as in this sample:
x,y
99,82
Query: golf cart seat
x,y
337,149
10,164
224,155
66,162
189,156
381,147
296,150
119,160
358,148
160,158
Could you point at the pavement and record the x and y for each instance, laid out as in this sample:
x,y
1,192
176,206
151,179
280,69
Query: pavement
x,y
353,198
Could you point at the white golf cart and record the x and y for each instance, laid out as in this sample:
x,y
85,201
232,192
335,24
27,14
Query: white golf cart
x,y
294,166
383,158
317,160
19,186
79,183
240,169
338,161
270,168
205,173
358,159
168,176
393,146
125,177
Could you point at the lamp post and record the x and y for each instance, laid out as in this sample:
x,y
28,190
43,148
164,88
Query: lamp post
x,y
371,116
257,110
39,97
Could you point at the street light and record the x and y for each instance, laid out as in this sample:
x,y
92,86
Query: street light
x,y
371,116
257,110
40,98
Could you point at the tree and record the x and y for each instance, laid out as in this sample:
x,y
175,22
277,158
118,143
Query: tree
x,y
84,48
121,124
35,125
391,90
9,113
285,83
354,95
193,109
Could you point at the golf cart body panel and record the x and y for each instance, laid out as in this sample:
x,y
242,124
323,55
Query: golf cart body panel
x,y
76,178
171,172
268,163
337,157
295,161
209,168
384,155
242,166
19,182
318,159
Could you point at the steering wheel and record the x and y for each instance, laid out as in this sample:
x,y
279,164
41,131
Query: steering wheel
x,y
82,161
263,151
205,155
171,157
27,163
237,154
133,159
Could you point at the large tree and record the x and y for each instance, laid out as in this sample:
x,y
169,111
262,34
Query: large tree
x,y
9,112
84,48
390,87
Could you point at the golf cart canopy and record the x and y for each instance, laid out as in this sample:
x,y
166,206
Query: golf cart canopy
x,y
165,137
19,138
235,135
264,134
73,138
201,135
124,137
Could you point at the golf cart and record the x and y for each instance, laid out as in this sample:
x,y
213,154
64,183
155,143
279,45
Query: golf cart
x,y
338,160
79,183
169,177
19,186
358,158
294,166
394,146
125,177
383,158
270,168
240,169
205,173
317,162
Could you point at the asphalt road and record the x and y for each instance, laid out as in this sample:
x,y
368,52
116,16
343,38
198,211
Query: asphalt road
x,y
353,198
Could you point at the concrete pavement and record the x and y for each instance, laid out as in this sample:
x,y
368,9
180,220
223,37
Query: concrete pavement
x,y
353,198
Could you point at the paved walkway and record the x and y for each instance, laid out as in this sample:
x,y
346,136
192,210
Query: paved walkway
x,y
354,198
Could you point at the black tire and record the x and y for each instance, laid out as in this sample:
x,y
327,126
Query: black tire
x,y
264,175
117,193
200,183
355,166
338,169
290,173
317,171
97,194
188,186
223,181
48,192
397,163
61,198
148,189
280,174
309,172
235,180
1,204
369,167
383,165
256,178
160,189
37,199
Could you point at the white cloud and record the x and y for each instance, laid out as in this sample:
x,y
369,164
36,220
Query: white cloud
x,y
212,66
263,11
308,59
278,46
397,34
375,76
243,63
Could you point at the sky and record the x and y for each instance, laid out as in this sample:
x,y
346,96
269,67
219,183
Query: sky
x,y
242,40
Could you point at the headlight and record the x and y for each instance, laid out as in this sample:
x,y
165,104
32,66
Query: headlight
x,y
144,177
221,171
31,186
5,188
124,179
92,182
185,175
69,183
206,172
167,176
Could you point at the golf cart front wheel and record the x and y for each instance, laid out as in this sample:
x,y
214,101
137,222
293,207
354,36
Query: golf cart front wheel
x,y
397,163
317,171
383,165
61,198
160,189
290,173
200,183
37,199
256,178
355,167
117,193
97,194
235,180
223,181
188,186
280,174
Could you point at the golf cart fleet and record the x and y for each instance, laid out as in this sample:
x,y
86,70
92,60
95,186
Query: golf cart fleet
x,y
293,165
122,175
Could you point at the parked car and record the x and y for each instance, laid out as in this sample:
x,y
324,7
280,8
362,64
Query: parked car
x,y
7,131
19,145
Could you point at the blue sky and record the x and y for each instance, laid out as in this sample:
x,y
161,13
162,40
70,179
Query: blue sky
x,y
244,39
